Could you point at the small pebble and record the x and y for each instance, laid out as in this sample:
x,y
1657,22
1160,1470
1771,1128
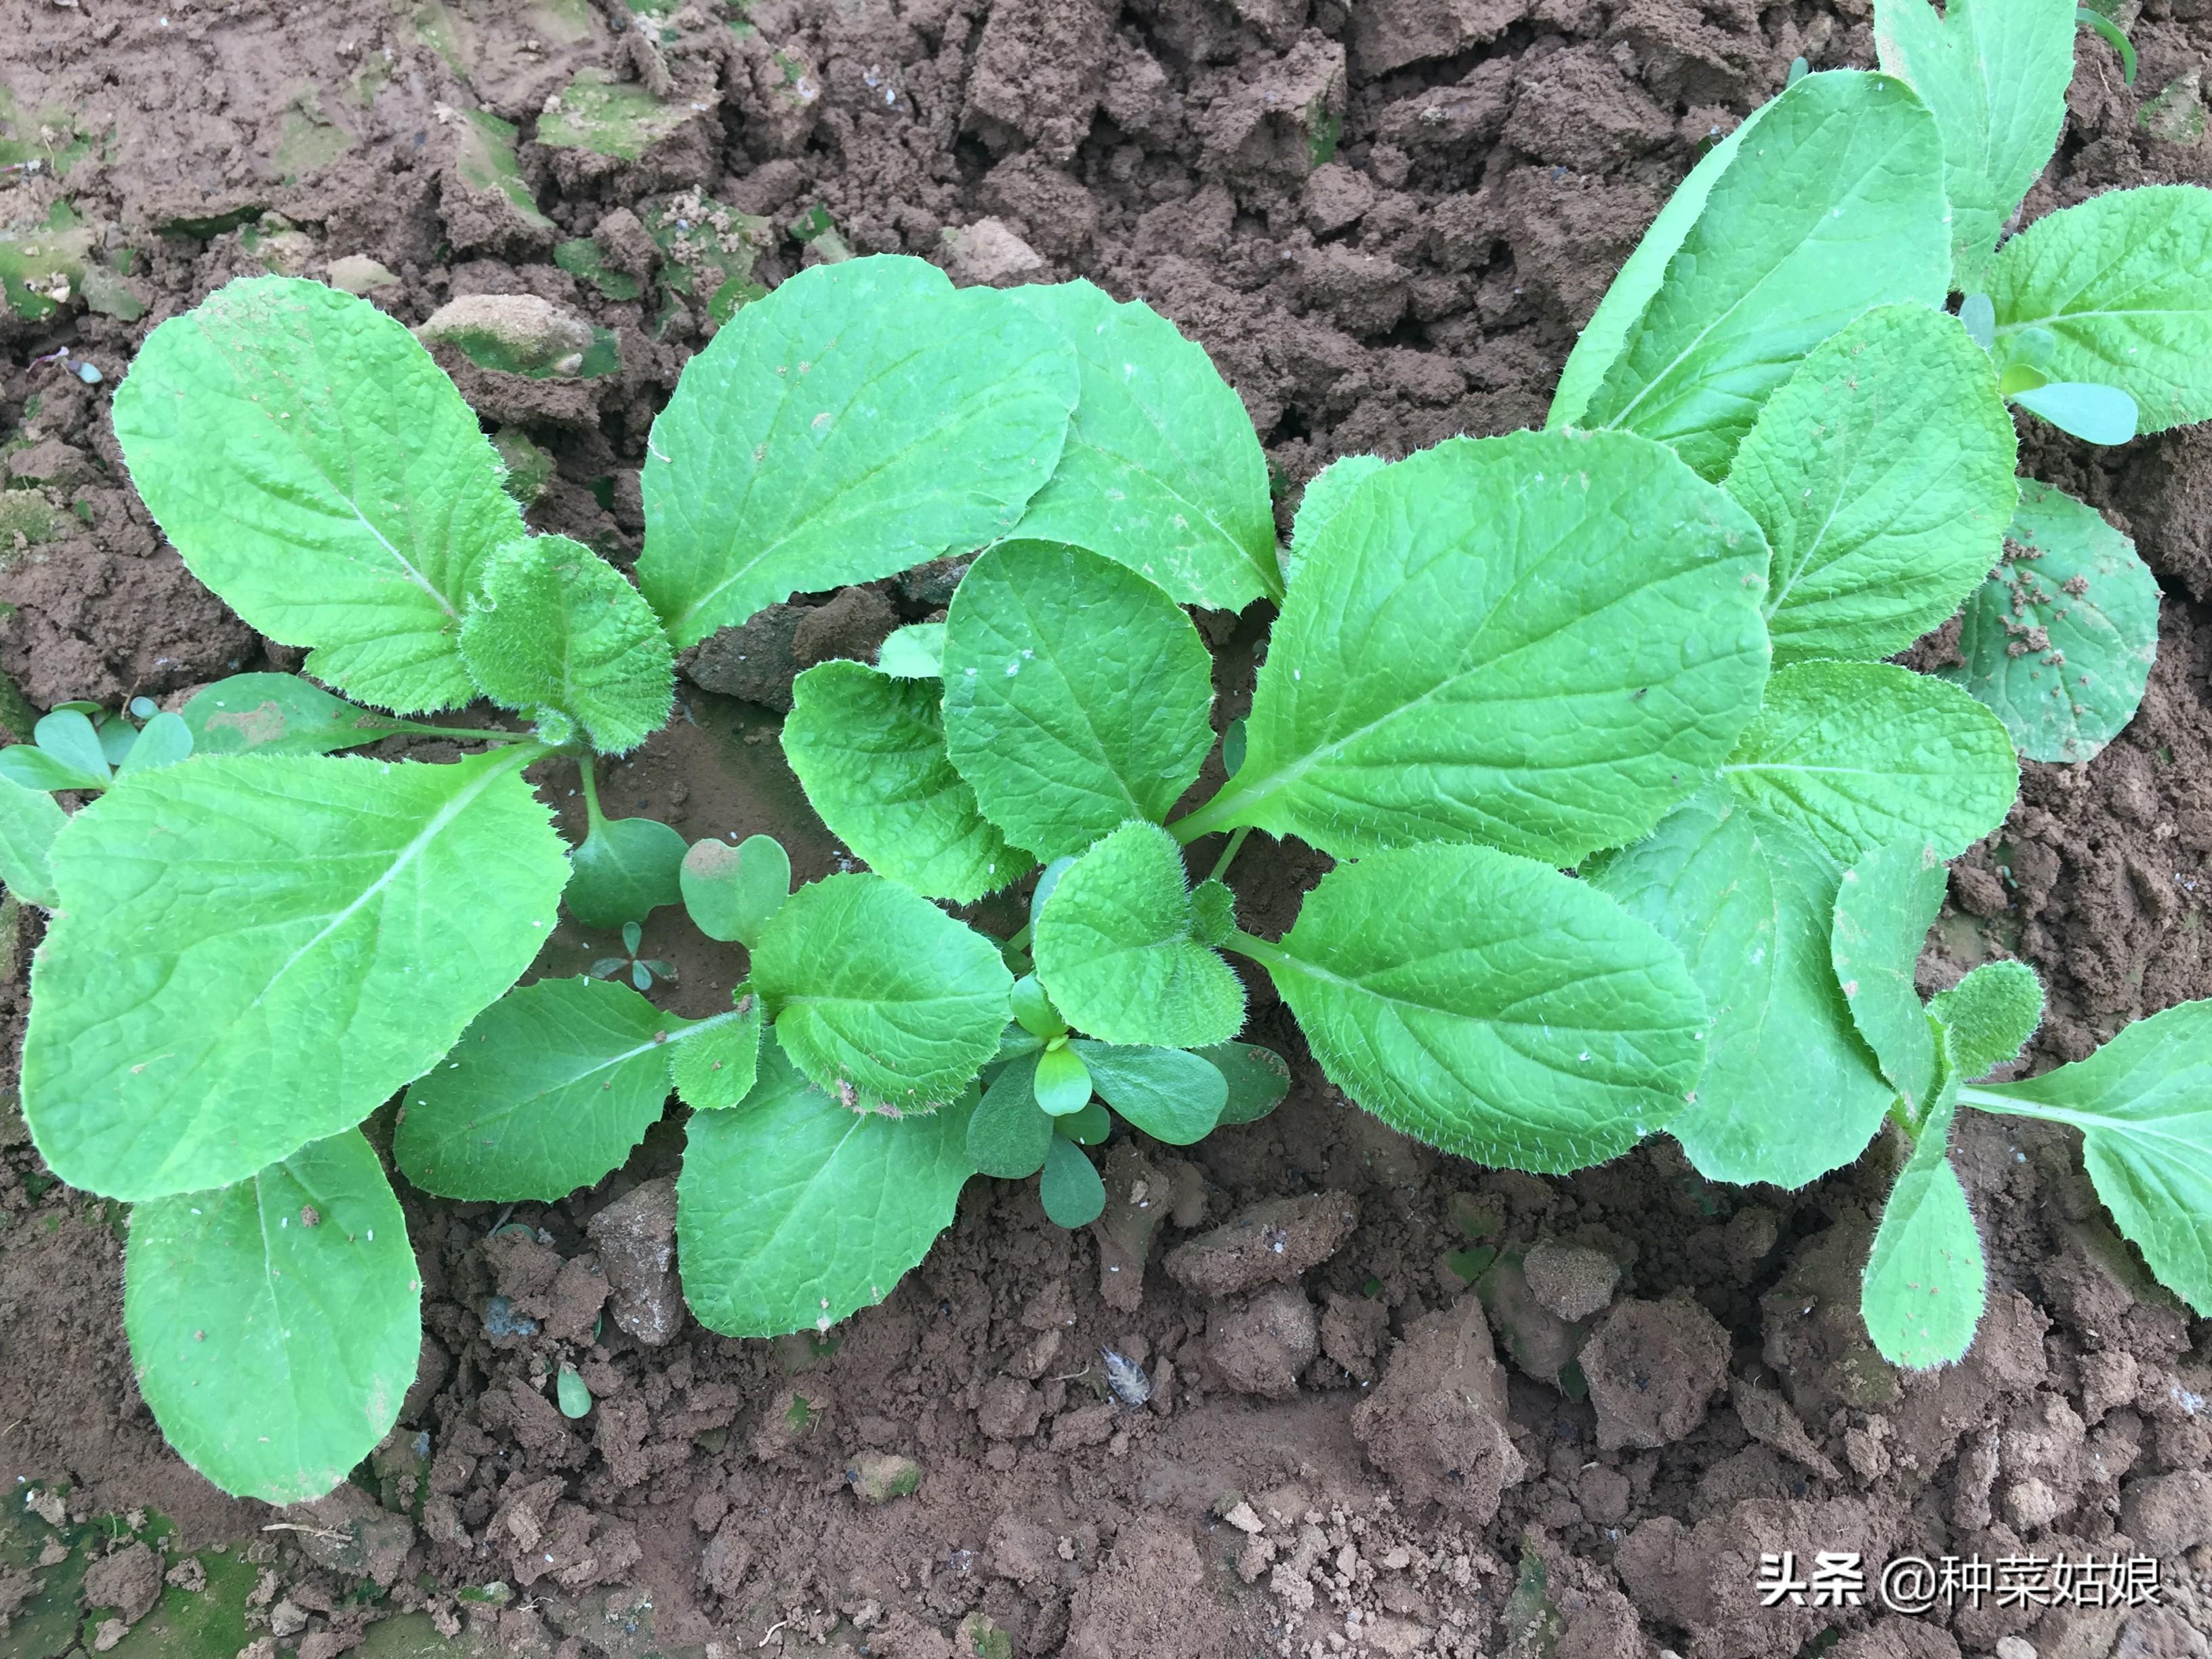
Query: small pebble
x,y
1125,1377
89,374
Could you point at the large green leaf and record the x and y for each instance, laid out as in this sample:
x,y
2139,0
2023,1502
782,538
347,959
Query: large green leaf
x,y
254,952
1834,205
1884,907
1492,1007
549,1090
1114,947
280,715
1926,1278
1076,695
792,1211
275,1323
558,627
862,418
1995,73
1865,753
2143,1104
1163,471
878,995
2112,291
1747,900
1540,642
1882,474
321,474
29,821
2060,640
870,749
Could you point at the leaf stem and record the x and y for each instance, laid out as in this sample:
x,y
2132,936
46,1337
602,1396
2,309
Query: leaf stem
x,y
592,816
1020,938
1214,815
1266,952
1229,853
464,733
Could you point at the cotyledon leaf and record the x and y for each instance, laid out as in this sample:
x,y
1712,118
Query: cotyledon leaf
x,y
1861,754
280,715
878,995
1076,695
1162,471
1790,1091
870,750
792,1212
862,418
623,870
275,1323
1492,1007
1925,1279
1834,205
29,821
1881,473
1541,642
254,951
319,472
2060,640
1885,906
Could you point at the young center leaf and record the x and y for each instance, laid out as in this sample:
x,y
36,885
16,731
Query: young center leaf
x,y
192,1025
1541,642
558,627
1834,206
1009,1133
878,995
1114,948
280,715
2113,292
1861,754
1172,1095
2143,1104
623,870
275,1323
321,474
792,1212
1076,695
1881,473
862,418
1327,490
730,892
1162,470
1994,73
1884,909
1491,1007
1926,1278
715,1063
1990,1015
1790,1091
2060,640
29,821
870,750
549,1089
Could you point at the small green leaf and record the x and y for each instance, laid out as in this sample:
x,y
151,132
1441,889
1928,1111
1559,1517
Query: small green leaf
x,y
2116,283
715,1064
29,766
1062,1082
558,627
549,1090
2060,640
1979,319
70,739
1074,1195
794,1211
1491,1006
1009,1135
878,995
116,737
181,1038
625,870
1173,1096
915,652
1884,907
1162,471
1076,695
1033,1009
1212,911
1991,1014
1926,1278
279,714
732,892
1258,1079
1881,473
870,750
1325,492
1835,207
862,418
2143,1104
575,1399
1861,754
162,741
275,1323
1749,902
29,821
2094,414
321,474
1443,671
1114,947
1088,1128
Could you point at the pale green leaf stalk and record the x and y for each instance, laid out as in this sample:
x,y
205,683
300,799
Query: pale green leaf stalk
x,y
1885,905
275,1323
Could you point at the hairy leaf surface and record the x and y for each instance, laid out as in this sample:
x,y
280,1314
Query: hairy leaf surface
x,y
1991,1014
1009,1133
1327,491
1884,909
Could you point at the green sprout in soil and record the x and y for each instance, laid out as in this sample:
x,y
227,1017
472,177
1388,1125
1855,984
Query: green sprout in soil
x,y
1634,827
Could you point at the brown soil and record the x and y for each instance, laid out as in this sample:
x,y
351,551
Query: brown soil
x,y
1334,1457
